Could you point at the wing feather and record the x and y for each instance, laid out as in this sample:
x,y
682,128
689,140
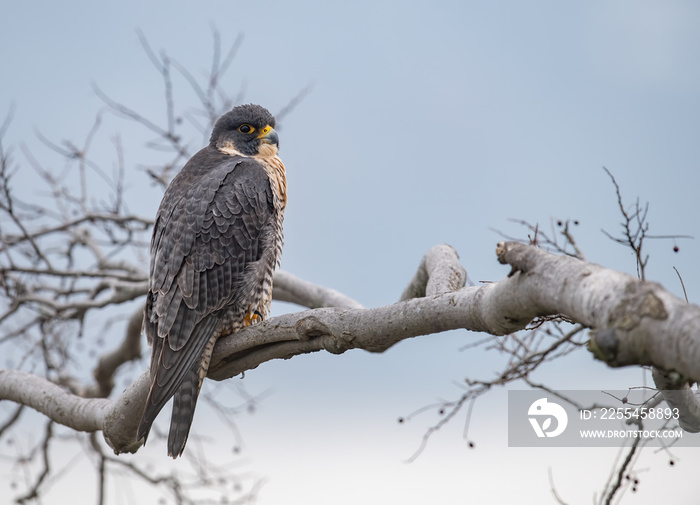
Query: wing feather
x,y
164,385
209,228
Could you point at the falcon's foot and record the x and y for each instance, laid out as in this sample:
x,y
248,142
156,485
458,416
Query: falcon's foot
x,y
253,318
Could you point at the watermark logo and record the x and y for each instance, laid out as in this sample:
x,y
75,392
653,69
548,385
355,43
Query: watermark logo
x,y
594,418
542,409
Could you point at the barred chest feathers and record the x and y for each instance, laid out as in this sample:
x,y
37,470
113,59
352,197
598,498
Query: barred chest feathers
x,y
274,168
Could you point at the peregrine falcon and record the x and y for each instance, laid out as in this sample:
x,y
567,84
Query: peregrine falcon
x,y
216,242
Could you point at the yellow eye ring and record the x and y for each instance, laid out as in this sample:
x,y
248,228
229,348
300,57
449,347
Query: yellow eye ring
x,y
246,128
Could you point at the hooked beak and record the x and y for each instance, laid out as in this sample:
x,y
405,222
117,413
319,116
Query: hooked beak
x,y
269,136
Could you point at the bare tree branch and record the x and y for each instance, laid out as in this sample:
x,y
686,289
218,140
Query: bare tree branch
x,y
293,103
439,272
678,394
130,349
34,490
615,486
11,420
53,401
288,288
623,310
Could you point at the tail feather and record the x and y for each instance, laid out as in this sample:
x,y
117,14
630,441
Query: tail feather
x,y
185,401
166,380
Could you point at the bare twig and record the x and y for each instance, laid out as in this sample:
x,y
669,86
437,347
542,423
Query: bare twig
x,y
623,468
130,349
11,420
685,293
33,492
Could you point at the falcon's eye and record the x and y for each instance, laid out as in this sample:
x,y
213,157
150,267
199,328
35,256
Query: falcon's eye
x,y
246,128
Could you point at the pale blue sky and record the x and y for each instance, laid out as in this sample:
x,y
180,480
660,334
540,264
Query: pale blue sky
x,y
428,122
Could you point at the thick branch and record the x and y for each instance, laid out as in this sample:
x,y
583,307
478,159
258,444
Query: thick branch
x,y
439,272
635,322
681,397
376,329
292,289
122,420
53,401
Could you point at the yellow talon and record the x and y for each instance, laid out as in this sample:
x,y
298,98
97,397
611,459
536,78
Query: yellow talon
x,y
252,318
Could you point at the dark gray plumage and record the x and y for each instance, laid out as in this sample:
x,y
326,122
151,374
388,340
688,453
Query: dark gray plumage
x,y
216,241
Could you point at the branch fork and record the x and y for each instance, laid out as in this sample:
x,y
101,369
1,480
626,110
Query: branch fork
x,y
632,322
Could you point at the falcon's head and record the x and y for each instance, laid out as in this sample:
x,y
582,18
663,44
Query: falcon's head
x,y
246,130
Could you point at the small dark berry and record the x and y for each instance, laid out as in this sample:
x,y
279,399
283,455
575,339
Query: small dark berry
x,y
671,462
559,223
625,400
400,420
576,222
675,248
471,445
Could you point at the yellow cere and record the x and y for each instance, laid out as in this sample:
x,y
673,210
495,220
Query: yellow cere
x,y
265,131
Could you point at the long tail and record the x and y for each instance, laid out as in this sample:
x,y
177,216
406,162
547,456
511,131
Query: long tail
x,y
185,401
171,370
